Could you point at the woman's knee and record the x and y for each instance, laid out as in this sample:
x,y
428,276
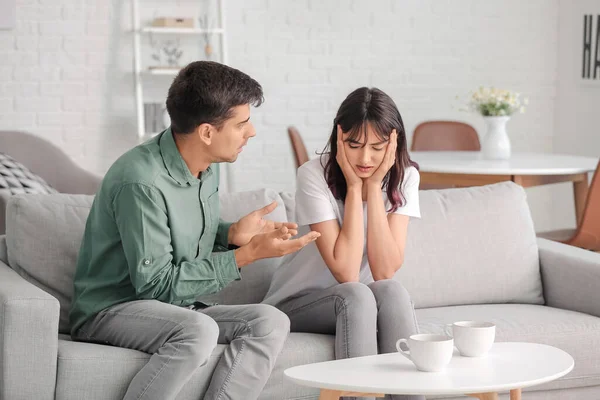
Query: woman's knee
x,y
356,295
389,290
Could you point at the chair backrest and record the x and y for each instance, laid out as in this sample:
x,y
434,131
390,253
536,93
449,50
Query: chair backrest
x,y
445,136
587,235
298,148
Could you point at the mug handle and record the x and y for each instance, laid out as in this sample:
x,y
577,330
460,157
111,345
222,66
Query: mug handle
x,y
403,352
448,330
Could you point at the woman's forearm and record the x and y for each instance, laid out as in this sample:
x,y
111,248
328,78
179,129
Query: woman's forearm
x,y
348,250
383,253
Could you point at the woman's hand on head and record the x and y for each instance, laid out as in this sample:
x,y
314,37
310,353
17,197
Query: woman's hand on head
x,y
388,160
351,178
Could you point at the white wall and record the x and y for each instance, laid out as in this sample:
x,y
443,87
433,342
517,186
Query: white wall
x,y
578,101
65,72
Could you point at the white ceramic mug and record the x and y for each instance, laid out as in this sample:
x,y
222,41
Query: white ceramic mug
x,y
472,338
430,353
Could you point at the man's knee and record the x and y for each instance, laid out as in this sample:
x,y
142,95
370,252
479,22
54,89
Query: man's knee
x,y
197,335
356,295
389,290
269,321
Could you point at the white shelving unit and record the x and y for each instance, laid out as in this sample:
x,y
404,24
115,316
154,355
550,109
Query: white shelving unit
x,y
189,31
145,73
140,72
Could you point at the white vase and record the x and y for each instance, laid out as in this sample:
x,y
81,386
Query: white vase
x,y
496,144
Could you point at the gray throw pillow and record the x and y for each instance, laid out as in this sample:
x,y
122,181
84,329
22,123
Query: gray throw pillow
x,y
15,178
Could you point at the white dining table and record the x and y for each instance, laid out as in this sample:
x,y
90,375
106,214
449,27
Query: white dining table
x,y
470,168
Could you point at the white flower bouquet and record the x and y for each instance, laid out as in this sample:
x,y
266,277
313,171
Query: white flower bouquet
x,y
492,102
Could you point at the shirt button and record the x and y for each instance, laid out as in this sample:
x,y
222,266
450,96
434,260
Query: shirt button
x,y
146,262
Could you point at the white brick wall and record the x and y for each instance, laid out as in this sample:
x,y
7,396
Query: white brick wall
x,y
65,72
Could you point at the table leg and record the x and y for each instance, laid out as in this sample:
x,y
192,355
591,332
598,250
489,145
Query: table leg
x,y
515,394
580,190
327,394
330,394
485,396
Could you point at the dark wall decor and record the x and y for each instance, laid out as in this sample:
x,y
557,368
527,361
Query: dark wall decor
x,y
591,48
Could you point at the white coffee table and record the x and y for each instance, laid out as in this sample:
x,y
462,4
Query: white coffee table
x,y
508,367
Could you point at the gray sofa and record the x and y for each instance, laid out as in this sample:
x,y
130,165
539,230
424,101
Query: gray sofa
x,y
47,161
473,255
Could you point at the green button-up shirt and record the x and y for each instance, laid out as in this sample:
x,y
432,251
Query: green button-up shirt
x,y
153,232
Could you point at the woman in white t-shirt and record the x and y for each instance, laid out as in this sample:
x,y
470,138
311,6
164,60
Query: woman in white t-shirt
x,y
360,195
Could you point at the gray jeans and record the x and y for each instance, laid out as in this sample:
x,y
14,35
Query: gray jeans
x,y
366,319
181,340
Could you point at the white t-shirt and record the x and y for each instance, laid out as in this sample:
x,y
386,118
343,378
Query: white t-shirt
x,y
305,271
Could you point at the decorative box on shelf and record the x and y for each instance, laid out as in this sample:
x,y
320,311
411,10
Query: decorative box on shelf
x,y
172,22
158,70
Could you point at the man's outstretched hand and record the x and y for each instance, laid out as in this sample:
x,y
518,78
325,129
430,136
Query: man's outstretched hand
x,y
242,232
275,243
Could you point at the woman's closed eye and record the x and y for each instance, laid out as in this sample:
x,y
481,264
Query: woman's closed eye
x,y
358,146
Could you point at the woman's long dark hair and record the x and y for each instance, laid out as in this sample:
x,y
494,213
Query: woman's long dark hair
x,y
364,107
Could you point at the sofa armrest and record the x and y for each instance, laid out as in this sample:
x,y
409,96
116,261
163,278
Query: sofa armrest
x,y
28,338
570,277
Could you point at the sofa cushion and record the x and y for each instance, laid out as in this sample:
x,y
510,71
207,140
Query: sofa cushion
x,y
3,251
472,246
43,235
573,332
235,205
289,199
98,372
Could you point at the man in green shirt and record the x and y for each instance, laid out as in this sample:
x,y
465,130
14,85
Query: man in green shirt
x,y
154,242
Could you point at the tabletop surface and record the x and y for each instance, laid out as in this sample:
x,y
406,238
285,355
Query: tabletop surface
x,y
509,365
472,162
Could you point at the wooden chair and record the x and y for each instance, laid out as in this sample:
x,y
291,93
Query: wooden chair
x,y
444,136
298,148
587,233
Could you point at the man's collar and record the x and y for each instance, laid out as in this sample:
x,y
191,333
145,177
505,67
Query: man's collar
x,y
174,163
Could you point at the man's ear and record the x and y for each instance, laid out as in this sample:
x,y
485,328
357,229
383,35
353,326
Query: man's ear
x,y
205,133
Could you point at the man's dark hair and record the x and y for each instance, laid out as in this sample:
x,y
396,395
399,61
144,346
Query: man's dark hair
x,y
205,92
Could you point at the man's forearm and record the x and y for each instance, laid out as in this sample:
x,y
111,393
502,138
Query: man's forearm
x,y
245,255
164,281
224,230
